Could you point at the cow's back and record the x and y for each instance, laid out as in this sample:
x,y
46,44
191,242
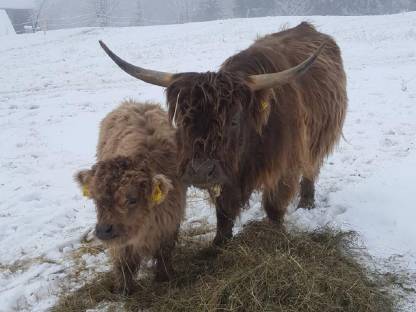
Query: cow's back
x,y
321,90
318,98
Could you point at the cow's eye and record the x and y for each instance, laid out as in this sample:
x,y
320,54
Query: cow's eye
x,y
131,201
235,121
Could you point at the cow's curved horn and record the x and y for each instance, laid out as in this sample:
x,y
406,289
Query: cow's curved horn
x,y
151,76
265,81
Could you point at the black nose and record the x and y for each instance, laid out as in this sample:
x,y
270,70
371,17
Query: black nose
x,y
203,168
104,231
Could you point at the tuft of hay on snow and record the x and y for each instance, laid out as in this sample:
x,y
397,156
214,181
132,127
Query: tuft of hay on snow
x,y
264,268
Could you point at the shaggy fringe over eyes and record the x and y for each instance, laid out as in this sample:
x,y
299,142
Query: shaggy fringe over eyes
x,y
212,95
108,175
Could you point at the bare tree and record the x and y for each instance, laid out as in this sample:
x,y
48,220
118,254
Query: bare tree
x,y
185,10
104,9
208,10
138,21
36,14
293,7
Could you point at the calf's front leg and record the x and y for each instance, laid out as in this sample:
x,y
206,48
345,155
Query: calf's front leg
x,y
126,265
164,267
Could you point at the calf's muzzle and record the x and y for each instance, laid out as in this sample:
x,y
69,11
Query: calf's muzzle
x,y
105,231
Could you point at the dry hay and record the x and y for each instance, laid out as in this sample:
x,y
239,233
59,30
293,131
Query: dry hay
x,y
263,268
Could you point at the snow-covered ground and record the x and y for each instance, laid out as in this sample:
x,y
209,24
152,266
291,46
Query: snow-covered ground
x,y
55,87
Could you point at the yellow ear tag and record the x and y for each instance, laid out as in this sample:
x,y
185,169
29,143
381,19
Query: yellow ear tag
x,y
86,191
157,196
264,105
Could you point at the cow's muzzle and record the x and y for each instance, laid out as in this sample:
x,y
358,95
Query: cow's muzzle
x,y
204,173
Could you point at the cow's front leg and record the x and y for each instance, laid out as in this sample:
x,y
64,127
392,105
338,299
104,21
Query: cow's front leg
x,y
227,208
126,265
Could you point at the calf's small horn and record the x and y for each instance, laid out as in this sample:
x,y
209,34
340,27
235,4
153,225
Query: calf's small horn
x,y
266,81
150,76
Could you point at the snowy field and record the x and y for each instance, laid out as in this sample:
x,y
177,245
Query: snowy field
x,y
55,87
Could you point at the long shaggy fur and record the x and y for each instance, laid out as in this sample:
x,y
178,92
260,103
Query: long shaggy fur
x,y
136,150
285,133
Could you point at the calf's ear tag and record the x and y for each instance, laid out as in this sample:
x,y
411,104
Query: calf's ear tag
x,y
157,195
86,191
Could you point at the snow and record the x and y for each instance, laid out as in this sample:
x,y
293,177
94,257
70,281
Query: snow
x,y
56,86
6,27
391,230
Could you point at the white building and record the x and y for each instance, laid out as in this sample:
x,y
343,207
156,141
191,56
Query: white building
x,y
6,27
17,13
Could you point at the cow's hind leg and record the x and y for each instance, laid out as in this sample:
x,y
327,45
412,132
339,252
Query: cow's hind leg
x,y
277,199
307,187
307,193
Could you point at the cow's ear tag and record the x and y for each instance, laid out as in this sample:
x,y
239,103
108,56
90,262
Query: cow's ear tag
x,y
86,191
261,115
264,105
157,194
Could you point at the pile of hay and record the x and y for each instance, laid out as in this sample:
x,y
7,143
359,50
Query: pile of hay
x,y
263,268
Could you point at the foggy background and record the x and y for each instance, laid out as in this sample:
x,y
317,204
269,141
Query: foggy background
x,y
57,14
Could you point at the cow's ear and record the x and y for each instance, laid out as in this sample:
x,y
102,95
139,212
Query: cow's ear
x,y
83,178
161,186
260,109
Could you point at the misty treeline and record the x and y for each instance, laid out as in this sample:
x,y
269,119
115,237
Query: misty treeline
x,y
251,8
53,14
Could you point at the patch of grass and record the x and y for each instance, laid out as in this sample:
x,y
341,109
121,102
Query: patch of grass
x,y
263,268
24,265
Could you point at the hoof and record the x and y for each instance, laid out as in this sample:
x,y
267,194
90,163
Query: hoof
x,y
306,204
124,291
276,222
163,277
220,240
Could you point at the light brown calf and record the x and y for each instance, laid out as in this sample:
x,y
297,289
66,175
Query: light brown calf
x,y
135,186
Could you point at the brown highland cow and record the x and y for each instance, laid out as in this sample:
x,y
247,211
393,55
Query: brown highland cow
x,y
135,186
265,121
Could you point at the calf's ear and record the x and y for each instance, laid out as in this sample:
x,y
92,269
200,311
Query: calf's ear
x,y
83,178
161,186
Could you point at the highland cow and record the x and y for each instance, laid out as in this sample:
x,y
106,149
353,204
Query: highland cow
x,y
265,121
138,195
